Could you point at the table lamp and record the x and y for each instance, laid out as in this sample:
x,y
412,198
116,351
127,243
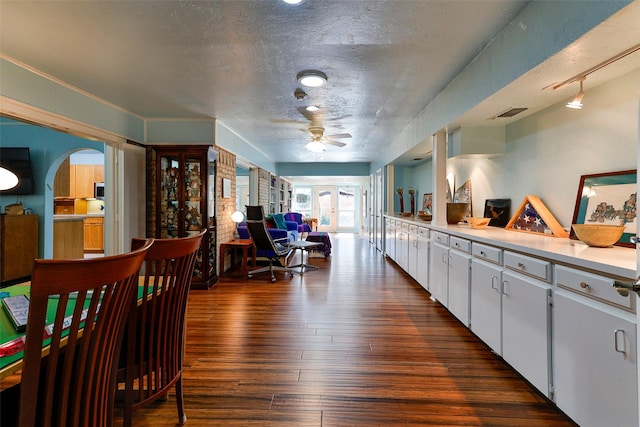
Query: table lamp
x,y
237,217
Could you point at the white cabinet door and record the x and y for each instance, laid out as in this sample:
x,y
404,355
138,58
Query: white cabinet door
x,y
422,273
594,362
402,249
390,239
526,327
412,256
438,285
486,303
459,281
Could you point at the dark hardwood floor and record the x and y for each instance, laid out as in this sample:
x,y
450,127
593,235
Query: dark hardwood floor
x,y
356,343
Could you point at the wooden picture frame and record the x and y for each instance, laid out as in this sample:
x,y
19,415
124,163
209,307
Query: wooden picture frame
x,y
532,216
499,210
427,203
608,198
226,188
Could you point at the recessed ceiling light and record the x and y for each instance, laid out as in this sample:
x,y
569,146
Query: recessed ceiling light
x,y
312,108
294,2
311,78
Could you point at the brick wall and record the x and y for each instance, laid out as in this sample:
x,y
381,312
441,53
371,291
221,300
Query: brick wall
x,y
225,169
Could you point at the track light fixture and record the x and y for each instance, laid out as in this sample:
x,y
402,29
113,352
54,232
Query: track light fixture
x,y
311,78
576,103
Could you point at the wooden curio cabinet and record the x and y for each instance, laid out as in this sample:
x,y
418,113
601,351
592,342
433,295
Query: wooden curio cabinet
x,y
182,202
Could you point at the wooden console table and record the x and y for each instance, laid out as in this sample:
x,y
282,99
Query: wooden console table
x,y
245,245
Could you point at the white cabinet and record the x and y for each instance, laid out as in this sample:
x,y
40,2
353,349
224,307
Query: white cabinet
x,y
422,257
412,254
450,280
390,238
595,351
510,312
402,245
526,327
459,278
486,303
439,281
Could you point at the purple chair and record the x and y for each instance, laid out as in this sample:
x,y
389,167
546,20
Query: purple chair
x,y
303,227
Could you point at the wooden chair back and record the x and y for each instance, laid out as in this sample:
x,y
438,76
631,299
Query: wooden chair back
x,y
156,333
75,383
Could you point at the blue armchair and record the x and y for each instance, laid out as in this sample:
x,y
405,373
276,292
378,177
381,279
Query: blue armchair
x,y
303,227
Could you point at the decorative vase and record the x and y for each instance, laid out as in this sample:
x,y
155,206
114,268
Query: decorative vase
x,y
400,193
413,201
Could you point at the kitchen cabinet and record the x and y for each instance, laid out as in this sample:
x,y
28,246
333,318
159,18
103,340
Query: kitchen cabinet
x,y
68,238
439,282
94,234
419,255
510,312
18,246
450,279
85,177
390,238
459,278
184,203
595,351
402,246
62,180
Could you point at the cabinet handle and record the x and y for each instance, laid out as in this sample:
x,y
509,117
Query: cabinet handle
x,y
444,258
482,253
585,286
616,333
521,266
504,287
494,281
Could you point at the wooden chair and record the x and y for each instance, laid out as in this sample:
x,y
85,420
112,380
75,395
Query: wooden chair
x,y
154,348
277,249
75,384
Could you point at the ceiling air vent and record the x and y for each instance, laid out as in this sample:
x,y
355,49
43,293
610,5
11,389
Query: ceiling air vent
x,y
509,113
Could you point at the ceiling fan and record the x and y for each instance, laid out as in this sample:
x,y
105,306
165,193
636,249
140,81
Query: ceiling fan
x,y
318,140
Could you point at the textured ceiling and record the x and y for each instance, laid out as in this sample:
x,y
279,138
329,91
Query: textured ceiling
x,y
237,61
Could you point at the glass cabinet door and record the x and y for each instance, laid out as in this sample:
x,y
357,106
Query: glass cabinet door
x,y
193,218
170,176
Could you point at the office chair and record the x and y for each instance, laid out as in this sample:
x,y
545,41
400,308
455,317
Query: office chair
x,y
278,248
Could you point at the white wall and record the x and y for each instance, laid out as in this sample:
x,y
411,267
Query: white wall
x,y
547,152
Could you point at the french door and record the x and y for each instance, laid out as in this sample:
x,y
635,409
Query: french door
x,y
325,208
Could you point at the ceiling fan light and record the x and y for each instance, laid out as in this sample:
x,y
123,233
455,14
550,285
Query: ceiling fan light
x,y
315,146
311,78
312,108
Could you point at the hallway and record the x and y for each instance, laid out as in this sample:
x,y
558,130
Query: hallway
x,y
356,343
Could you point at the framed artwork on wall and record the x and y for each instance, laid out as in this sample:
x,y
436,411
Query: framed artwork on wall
x,y
499,210
226,188
427,203
608,198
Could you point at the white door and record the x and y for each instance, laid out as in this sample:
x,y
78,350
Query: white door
x,y
325,208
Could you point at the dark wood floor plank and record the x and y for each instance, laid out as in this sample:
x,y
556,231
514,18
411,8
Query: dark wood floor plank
x,y
355,343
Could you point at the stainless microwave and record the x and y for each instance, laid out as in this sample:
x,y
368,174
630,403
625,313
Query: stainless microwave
x,y
98,190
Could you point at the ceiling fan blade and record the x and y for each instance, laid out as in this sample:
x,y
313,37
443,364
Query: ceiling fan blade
x,y
339,136
336,143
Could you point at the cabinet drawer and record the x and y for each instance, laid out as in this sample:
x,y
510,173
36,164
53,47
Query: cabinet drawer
x,y
530,266
404,226
413,229
591,285
460,244
441,238
423,232
390,222
487,253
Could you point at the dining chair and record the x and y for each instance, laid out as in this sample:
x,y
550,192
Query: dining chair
x,y
152,355
79,308
277,249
